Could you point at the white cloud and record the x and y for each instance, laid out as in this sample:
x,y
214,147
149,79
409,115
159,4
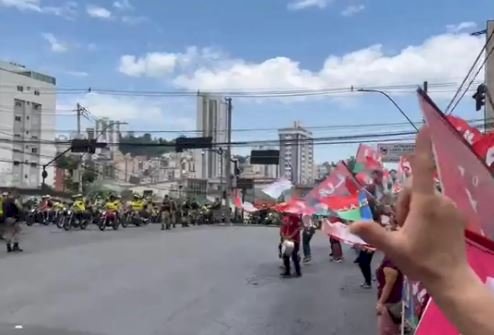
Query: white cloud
x,y
159,64
77,73
55,44
123,5
27,5
98,12
352,10
442,58
152,65
462,26
67,10
303,4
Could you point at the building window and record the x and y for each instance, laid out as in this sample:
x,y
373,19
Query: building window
x,y
20,88
34,150
16,163
34,137
34,165
36,92
27,117
17,135
18,118
27,132
18,104
26,176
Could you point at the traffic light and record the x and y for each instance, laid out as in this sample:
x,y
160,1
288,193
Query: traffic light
x,y
185,143
83,146
479,97
265,157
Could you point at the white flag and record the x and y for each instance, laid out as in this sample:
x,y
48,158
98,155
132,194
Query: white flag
x,y
275,189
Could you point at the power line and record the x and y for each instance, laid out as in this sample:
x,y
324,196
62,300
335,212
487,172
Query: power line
x,y
474,77
240,93
446,111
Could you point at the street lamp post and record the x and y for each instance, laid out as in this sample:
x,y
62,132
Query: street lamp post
x,y
392,101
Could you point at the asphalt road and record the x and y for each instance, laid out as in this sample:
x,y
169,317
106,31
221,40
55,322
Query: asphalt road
x,y
204,281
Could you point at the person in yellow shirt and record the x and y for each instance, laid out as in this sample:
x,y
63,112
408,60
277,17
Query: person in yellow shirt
x,y
79,205
113,204
137,204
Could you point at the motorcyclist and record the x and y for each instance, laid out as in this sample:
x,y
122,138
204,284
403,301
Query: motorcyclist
x,y
138,206
113,204
79,207
46,206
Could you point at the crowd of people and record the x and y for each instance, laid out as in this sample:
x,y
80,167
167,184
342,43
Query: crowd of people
x,y
422,239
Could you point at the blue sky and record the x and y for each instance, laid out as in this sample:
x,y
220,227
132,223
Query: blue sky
x,y
247,46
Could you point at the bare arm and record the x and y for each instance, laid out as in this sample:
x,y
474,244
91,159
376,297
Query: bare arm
x,y
466,301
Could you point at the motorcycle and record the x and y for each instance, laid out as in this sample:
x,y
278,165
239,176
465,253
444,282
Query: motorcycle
x,y
132,217
31,217
108,219
71,220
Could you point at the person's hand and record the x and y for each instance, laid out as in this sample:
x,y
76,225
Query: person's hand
x,y
430,246
380,308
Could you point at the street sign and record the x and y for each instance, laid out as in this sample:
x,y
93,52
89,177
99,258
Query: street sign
x,y
391,152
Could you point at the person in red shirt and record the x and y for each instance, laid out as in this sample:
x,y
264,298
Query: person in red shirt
x,y
290,230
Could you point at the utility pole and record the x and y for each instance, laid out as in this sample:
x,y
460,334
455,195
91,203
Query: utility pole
x,y
489,78
229,159
79,110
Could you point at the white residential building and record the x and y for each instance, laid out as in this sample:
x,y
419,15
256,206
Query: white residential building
x,y
297,154
27,130
212,121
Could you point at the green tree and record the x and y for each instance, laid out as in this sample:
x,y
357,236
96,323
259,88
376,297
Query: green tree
x,y
145,145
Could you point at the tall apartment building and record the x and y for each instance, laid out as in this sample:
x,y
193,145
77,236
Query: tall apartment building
x,y
27,130
297,154
212,121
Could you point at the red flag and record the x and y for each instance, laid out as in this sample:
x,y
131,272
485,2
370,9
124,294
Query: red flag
x,y
433,320
470,134
465,179
485,149
369,157
294,206
342,203
237,199
339,182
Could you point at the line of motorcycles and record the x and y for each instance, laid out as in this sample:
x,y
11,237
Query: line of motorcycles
x,y
67,219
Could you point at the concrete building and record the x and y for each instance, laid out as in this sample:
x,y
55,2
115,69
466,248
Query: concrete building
x,y
297,154
27,109
106,131
212,121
